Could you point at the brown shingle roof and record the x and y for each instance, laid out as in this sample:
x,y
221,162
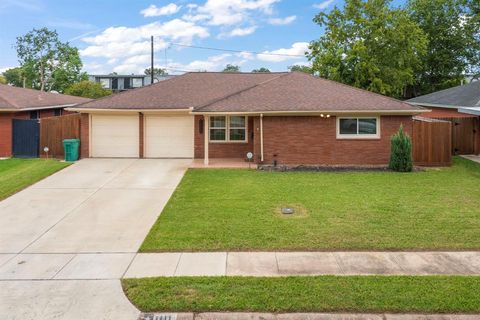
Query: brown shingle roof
x,y
250,92
297,91
187,91
14,98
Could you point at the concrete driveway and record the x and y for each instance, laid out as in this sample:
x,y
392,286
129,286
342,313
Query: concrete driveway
x,y
66,241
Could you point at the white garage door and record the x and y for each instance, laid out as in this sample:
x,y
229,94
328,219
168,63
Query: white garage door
x,y
169,136
115,136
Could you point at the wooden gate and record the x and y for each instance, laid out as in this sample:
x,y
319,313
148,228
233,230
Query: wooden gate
x,y
432,142
25,138
463,135
54,130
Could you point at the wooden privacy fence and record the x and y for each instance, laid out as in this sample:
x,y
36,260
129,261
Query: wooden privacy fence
x,y
54,130
432,142
465,134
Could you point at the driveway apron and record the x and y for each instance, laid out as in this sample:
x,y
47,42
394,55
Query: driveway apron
x,y
67,240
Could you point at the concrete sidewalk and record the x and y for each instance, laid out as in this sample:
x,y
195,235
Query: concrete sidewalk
x,y
303,263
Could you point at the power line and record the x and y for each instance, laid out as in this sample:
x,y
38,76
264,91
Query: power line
x,y
237,51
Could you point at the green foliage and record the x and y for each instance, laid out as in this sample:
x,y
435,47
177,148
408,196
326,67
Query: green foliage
x,y
17,76
261,70
452,28
337,217
3,80
46,62
401,152
369,45
16,174
88,89
300,68
375,294
156,72
231,68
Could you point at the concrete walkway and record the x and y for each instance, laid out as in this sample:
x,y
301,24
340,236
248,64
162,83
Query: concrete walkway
x,y
304,263
66,241
472,157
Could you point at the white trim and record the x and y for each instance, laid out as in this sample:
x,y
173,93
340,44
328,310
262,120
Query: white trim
x,y
39,108
227,130
435,105
87,110
265,113
471,110
358,135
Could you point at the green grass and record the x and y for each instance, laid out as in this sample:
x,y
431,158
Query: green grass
x,y
432,294
17,174
215,210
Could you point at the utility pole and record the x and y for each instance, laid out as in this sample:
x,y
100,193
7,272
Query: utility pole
x,y
151,55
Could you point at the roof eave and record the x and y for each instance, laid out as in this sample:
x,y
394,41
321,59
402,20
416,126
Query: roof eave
x,y
38,108
436,105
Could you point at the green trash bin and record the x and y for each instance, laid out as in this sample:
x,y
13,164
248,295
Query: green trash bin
x,y
71,146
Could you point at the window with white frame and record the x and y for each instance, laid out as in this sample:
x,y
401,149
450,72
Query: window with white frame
x,y
358,127
228,129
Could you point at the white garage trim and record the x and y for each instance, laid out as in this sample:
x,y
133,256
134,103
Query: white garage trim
x,y
168,136
114,136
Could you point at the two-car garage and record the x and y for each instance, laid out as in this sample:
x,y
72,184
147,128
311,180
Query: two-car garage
x,y
121,135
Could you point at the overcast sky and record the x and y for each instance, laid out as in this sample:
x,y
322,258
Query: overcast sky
x,y
114,36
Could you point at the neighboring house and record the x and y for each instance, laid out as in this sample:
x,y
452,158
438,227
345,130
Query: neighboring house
x,y
293,118
119,83
20,103
461,106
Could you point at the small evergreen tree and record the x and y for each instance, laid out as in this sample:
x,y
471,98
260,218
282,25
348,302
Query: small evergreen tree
x,y
401,152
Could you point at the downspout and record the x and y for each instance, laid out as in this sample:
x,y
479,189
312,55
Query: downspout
x,y
261,137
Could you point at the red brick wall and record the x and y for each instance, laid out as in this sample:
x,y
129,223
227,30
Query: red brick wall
x,y
222,150
5,134
445,113
84,136
312,140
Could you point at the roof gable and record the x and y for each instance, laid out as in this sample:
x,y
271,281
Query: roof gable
x,y
183,92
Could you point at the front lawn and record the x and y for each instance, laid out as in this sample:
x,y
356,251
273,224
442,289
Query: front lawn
x,y
216,210
432,294
17,174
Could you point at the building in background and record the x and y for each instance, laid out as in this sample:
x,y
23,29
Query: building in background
x,y
121,82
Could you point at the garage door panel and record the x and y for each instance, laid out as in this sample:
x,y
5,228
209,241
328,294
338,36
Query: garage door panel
x,y
169,136
115,136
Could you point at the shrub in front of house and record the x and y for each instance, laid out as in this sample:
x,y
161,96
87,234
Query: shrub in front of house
x,y
401,152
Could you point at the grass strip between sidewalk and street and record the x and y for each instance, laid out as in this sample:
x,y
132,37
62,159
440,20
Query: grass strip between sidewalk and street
x,y
402,294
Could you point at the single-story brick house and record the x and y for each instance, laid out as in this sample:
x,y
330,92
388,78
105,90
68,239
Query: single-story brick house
x,y
21,103
293,118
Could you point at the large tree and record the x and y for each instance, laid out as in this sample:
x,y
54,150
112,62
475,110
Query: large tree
x,y
48,63
453,31
370,45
